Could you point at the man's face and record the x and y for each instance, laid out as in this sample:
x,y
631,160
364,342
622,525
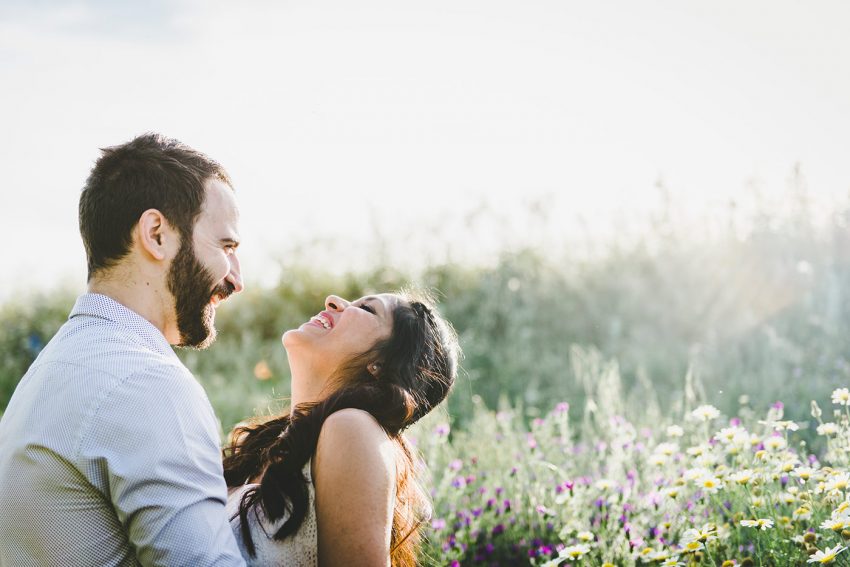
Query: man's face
x,y
206,270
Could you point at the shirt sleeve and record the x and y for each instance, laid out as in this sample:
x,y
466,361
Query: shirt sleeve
x,y
155,440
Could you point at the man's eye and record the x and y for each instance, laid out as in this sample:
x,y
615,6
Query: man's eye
x,y
367,307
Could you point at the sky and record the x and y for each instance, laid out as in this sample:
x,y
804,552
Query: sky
x,y
345,123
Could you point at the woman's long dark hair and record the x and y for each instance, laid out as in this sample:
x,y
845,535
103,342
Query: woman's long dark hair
x,y
418,365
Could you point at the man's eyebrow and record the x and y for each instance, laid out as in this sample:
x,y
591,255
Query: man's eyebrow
x,y
230,242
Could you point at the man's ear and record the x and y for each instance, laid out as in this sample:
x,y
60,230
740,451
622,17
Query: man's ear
x,y
155,235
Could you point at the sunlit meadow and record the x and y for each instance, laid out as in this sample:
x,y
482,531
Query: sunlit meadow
x,y
676,397
694,488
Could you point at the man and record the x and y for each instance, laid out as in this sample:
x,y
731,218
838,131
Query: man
x,y
109,448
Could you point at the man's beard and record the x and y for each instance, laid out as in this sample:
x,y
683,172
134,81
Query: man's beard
x,y
192,287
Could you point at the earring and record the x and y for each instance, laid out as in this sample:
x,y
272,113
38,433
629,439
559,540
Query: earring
x,y
374,368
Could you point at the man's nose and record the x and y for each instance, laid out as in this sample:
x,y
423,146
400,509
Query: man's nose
x,y
335,303
234,277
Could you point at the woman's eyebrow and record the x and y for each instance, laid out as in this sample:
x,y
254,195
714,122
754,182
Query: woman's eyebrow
x,y
376,300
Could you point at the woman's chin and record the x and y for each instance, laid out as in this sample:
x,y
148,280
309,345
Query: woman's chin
x,y
292,337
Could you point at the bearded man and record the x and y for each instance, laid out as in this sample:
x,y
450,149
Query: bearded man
x,y
109,448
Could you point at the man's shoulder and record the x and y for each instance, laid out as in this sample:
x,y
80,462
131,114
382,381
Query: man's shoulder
x,y
107,347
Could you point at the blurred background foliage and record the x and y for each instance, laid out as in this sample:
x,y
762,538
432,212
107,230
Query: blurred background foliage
x,y
758,308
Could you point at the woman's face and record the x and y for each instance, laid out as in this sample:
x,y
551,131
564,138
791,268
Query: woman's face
x,y
330,339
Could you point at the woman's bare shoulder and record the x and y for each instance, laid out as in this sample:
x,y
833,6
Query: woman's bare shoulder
x,y
350,432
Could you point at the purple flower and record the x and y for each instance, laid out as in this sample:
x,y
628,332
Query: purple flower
x,y
455,465
498,529
562,407
438,524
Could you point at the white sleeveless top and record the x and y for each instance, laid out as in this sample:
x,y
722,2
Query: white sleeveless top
x,y
298,550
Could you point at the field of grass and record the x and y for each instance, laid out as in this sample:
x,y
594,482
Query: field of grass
x,y
625,487
572,428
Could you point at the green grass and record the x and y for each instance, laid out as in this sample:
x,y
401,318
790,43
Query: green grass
x,y
634,338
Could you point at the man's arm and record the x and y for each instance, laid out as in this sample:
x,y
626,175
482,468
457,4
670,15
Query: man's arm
x,y
157,439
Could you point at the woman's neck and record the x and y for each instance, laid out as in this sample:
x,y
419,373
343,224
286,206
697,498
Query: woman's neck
x,y
309,385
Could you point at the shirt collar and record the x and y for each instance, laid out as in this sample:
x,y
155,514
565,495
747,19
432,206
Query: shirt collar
x,y
104,307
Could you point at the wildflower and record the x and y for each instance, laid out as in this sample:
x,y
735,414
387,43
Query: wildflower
x,y
732,435
442,429
835,525
828,428
787,498
760,523
838,481
775,443
667,449
604,484
574,551
708,532
675,431
842,511
786,426
710,484
705,413
742,477
585,536
659,555
672,562
657,460
802,513
672,491
692,547
803,473
826,556
841,396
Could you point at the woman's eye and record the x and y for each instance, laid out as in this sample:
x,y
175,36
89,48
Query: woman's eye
x,y
366,307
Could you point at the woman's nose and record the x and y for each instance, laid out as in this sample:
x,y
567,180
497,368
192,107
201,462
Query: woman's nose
x,y
335,303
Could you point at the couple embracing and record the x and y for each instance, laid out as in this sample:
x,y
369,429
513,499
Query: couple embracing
x,y
109,447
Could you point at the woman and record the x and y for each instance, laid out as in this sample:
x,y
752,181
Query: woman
x,y
333,482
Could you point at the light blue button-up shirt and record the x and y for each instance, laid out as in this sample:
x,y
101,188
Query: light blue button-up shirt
x,y
109,452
